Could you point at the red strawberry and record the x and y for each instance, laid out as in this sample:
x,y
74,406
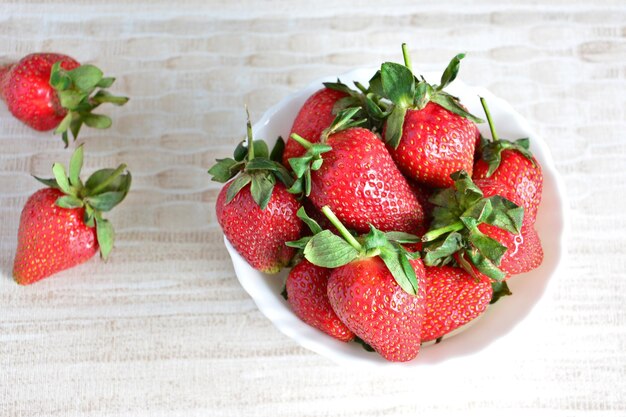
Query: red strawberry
x,y
359,181
368,300
423,194
26,88
256,213
377,288
307,295
524,252
482,230
47,91
435,143
511,164
259,235
51,238
489,188
62,226
453,298
314,116
429,133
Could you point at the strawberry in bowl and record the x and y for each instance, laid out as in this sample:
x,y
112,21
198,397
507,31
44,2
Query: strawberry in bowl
x,y
455,250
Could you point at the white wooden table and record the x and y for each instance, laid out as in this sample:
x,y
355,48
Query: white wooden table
x,y
164,328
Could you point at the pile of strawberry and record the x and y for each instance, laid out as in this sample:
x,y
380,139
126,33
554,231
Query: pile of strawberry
x,y
62,225
400,221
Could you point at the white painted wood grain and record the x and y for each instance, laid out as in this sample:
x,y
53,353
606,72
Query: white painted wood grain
x,y
164,329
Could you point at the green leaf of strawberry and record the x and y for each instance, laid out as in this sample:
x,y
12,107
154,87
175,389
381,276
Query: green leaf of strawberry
x,y
450,72
331,251
261,188
491,151
500,289
372,109
256,166
440,251
405,91
312,159
278,150
74,89
106,236
452,104
455,235
398,84
69,202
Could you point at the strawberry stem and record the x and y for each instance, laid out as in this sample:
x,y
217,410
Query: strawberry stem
x,y
494,135
342,229
407,58
109,180
434,234
302,141
249,135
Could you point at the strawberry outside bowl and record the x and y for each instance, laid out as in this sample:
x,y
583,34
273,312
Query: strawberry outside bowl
x,y
499,319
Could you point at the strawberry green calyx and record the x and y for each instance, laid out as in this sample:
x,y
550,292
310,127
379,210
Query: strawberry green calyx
x,y
80,91
491,151
302,166
103,190
255,165
407,92
454,230
312,159
369,99
328,250
500,289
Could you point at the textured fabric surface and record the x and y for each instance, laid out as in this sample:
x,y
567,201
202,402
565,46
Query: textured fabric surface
x,y
164,328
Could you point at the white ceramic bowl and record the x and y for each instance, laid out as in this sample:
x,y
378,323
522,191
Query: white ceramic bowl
x,y
499,318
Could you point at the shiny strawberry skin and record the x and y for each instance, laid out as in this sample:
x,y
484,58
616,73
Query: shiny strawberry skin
x,y
26,89
361,184
307,295
524,252
50,238
314,116
260,235
520,175
434,144
490,187
453,298
368,300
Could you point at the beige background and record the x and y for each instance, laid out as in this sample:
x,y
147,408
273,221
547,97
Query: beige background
x,y
164,328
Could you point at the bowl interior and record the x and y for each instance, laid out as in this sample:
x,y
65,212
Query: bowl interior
x,y
499,318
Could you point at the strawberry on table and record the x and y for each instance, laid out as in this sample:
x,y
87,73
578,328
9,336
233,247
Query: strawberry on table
x,y
53,91
350,171
429,133
62,226
255,211
376,286
513,165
